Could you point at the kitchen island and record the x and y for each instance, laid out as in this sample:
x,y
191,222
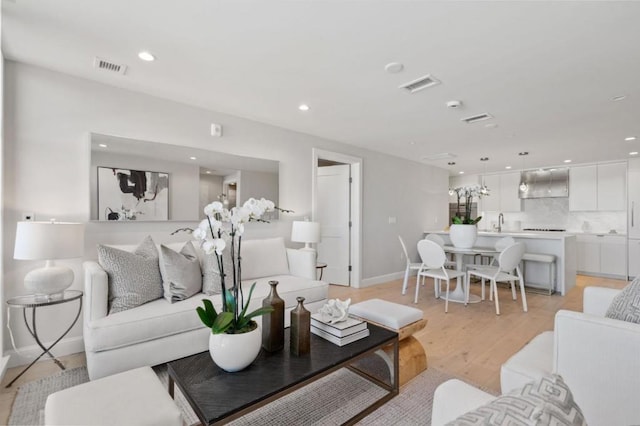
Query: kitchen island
x,y
560,244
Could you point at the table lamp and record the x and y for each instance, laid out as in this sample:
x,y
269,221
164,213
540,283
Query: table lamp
x,y
49,241
306,232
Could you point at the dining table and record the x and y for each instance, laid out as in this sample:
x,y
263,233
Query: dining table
x,y
458,294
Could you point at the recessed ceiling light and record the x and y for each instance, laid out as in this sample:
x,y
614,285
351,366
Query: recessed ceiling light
x,y
523,153
451,163
393,67
208,172
630,138
633,153
146,56
193,158
508,167
412,143
103,145
567,161
491,125
484,159
461,173
303,107
619,98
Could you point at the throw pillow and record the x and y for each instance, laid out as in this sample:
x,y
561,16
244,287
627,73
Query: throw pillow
x,y
211,283
547,401
134,277
181,275
626,305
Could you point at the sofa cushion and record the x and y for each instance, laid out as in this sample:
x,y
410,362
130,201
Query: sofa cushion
x,y
181,274
211,283
547,401
264,258
626,305
532,362
134,277
159,318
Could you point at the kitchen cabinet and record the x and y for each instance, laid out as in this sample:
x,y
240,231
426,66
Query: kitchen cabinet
x,y
600,187
503,193
634,258
602,254
633,215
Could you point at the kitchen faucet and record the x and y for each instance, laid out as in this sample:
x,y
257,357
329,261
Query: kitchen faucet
x,y
500,222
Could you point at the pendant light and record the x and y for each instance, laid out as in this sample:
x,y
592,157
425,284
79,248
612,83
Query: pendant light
x,y
483,188
523,185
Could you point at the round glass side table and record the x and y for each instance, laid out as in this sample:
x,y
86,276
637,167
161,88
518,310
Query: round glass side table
x,y
34,302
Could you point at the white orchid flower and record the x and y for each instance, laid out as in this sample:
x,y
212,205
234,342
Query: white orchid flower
x,y
219,244
240,229
199,234
208,247
215,207
268,205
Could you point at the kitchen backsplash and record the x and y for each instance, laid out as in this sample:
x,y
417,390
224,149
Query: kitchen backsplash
x,y
554,213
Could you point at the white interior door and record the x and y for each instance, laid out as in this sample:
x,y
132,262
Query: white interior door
x,y
333,213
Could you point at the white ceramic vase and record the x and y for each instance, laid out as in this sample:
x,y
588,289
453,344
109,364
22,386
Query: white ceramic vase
x,y
235,352
463,236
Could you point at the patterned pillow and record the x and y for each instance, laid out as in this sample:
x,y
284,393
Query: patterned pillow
x,y
547,401
134,278
626,305
181,275
211,283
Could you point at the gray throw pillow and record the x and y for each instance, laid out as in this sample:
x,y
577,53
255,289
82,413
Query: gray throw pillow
x,y
547,401
181,275
134,278
626,305
211,283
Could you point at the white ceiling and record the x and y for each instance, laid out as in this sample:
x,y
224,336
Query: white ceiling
x,y
547,71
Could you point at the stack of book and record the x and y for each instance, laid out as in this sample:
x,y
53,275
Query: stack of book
x,y
341,333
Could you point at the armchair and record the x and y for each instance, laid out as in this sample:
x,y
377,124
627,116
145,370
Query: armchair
x,y
597,357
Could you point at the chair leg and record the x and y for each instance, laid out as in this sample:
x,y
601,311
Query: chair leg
x,y
436,288
482,285
415,299
494,287
446,298
406,280
524,296
513,290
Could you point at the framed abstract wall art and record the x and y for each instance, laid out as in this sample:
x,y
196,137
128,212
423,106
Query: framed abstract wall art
x,y
132,194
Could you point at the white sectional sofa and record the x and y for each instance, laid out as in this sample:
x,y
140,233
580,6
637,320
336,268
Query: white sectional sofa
x,y
159,331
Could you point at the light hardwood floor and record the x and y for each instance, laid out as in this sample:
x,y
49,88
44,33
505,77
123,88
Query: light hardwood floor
x,y
470,342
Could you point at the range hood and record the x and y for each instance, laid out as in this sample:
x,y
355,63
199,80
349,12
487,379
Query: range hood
x,y
545,183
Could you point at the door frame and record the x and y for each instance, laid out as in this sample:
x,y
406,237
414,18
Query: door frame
x,y
356,204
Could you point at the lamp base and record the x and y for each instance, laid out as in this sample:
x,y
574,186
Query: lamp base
x,y
49,281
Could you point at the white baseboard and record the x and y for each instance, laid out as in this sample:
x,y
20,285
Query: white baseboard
x,y
27,354
368,282
3,366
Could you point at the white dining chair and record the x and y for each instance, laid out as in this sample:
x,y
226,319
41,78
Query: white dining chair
x,y
507,270
433,260
500,245
438,239
411,266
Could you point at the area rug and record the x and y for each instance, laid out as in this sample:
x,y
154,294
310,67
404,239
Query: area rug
x,y
328,401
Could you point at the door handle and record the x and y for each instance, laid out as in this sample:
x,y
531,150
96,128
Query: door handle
x,y
633,205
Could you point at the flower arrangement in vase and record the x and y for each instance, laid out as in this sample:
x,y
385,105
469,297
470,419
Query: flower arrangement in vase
x,y
233,320
467,192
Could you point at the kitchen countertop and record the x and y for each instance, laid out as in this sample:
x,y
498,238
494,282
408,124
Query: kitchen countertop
x,y
542,235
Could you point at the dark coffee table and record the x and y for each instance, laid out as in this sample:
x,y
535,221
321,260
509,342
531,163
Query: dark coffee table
x,y
219,397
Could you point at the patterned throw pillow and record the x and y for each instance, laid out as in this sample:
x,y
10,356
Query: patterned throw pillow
x,y
181,275
134,278
626,305
547,401
211,283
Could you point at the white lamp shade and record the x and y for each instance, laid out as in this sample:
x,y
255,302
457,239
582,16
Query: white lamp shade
x,y
49,240
305,232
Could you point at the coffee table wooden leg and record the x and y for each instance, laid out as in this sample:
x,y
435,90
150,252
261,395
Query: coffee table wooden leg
x,y
412,358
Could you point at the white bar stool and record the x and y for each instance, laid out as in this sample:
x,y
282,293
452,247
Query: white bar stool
x,y
548,259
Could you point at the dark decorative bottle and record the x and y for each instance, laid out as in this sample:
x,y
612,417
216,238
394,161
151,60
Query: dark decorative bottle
x,y
273,323
300,329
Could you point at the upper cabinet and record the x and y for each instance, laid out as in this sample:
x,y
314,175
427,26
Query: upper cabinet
x,y
503,193
600,187
633,215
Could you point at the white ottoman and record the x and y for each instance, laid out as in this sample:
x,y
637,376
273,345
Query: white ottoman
x,y
530,363
135,397
405,320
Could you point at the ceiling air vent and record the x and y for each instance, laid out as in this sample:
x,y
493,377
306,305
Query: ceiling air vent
x,y
419,84
479,117
436,157
110,66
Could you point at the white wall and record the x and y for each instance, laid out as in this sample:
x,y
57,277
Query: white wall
x,y
3,359
48,116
